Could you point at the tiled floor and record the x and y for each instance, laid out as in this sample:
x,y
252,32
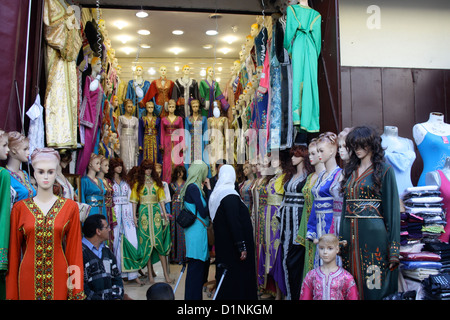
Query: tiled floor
x,y
136,292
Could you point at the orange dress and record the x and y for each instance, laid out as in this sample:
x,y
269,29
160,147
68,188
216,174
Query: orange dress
x,y
49,245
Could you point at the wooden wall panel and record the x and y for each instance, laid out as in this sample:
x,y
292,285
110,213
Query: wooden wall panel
x,y
346,97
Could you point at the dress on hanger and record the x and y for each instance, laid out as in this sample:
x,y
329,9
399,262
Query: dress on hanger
x,y
302,40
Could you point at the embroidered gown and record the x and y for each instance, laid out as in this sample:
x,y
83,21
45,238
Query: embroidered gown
x,y
338,285
161,93
125,227
152,233
42,248
321,217
131,94
310,247
270,264
178,250
171,139
290,215
195,145
149,139
182,93
302,40
93,194
371,226
210,92
245,191
128,130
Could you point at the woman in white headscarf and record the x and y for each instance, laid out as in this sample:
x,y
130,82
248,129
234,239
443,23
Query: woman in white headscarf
x,y
234,245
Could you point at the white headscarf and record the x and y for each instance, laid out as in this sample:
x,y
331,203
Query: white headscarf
x,y
223,188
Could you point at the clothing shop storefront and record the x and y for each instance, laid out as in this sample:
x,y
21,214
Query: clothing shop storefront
x,y
337,109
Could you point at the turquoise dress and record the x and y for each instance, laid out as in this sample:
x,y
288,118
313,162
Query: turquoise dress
x,y
302,40
23,189
196,236
93,195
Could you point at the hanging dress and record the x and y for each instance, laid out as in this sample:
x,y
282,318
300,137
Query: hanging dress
x,y
178,250
149,139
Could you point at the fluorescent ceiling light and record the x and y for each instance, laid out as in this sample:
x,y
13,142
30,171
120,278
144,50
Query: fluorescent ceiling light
x,y
203,72
212,32
207,46
230,39
124,38
177,32
219,69
120,24
141,14
145,46
177,68
144,32
176,50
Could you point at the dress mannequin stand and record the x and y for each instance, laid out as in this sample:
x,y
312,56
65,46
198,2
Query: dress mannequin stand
x,y
433,141
399,152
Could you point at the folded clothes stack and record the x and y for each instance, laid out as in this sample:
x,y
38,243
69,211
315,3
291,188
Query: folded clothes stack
x,y
425,203
420,265
437,287
442,249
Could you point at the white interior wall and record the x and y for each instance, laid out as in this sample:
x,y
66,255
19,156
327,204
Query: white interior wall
x,y
395,33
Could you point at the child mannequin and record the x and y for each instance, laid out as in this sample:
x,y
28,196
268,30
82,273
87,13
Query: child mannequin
x,y
329,281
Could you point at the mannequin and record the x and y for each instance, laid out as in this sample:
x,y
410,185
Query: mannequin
x,y
232,84
5,211
197,125
370,222
335,188
128,130
114,113
121,90
171,138
321,218
432,139
91,111
18,153
160,92
290,214
250,57
137,89
185,89
178,249
441,178
108,198
302,40
149,138
153,231
330,281
217,131
123,210
39,227
319,167
270,270
239,135
92,188
209,91
399,152
246,186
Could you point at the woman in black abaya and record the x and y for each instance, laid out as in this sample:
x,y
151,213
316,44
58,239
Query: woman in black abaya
x,y
234,245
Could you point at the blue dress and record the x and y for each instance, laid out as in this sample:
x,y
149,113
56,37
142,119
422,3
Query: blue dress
x,y
93,195
23,189
321,218
434,150
131,94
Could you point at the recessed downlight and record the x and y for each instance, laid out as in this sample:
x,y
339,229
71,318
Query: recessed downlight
x,y
177,32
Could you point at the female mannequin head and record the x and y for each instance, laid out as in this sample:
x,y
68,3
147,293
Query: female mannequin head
x,y
45,162
116,168
364,145
19,146
299,153
129,108
172,106
254,30
163,71
115,101
327,147
343,151
96,65
150,108
312,152
186,70
94,166
104,164
210,72
147,170
248,171
194,106
4,149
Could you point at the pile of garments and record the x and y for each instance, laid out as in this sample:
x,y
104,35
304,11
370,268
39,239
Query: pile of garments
x,y
437,287
423,205
443,250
